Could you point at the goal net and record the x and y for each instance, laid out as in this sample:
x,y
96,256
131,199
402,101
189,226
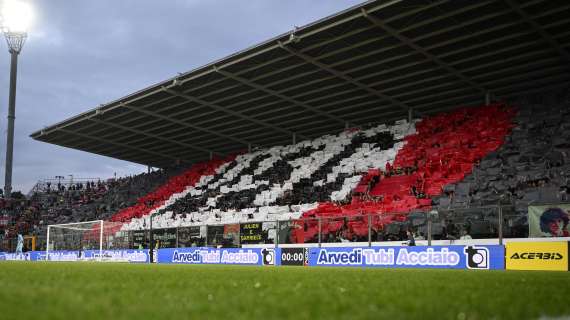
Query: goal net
x,y
76,241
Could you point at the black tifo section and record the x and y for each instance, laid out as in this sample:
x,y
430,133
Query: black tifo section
x,y
532,167
303,191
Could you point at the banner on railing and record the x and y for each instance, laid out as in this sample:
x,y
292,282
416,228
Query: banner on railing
x,y
444,257
253,256
549,221
549,256
251,233
187,236
166,238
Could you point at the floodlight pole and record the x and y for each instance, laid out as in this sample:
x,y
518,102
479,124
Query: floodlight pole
x,y
15,42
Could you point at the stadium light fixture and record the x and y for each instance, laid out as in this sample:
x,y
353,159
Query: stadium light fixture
x,y
16,18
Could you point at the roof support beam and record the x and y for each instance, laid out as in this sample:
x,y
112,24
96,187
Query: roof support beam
x,y
492,84
536,27
150,135
128,112
407,92
296,65
179,154
344,77
122,145
121,155
135,119
363,66
473,100
342,101
136,134
279,95
185,124
264,75
347,48
225,110
103,148
513,90
394,33
266,106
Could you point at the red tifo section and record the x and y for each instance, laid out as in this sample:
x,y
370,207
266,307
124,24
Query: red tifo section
x,y
443,151
175,185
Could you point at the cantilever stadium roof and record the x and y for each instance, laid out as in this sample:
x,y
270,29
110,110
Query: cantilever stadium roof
x,y
371,63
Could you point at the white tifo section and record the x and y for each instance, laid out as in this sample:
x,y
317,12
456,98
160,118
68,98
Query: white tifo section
x,y
366,157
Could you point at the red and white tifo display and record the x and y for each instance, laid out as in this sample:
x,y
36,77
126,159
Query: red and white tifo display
x,y
387,171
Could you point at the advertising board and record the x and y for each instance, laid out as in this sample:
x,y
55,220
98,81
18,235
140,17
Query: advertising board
x,y
443,257
549,256
203,255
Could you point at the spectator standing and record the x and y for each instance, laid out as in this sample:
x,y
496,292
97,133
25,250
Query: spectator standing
x,y
411,240
20,245
465,235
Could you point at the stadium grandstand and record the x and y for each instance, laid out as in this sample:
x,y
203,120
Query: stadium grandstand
x,y
398,159
352,128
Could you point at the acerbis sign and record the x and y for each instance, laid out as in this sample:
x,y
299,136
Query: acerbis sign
x,y
454,257
550,255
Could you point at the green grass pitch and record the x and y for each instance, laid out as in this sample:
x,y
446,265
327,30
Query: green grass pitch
x,y
130,291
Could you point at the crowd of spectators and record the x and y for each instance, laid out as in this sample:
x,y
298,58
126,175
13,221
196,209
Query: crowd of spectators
x,y
58,202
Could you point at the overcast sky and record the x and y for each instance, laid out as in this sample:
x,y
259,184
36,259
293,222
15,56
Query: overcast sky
x,y
83,53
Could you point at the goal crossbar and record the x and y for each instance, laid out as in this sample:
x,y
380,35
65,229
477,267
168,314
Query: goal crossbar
x,y
74,223
71,228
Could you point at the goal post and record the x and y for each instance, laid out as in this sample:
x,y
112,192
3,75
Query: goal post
x,y
75,237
